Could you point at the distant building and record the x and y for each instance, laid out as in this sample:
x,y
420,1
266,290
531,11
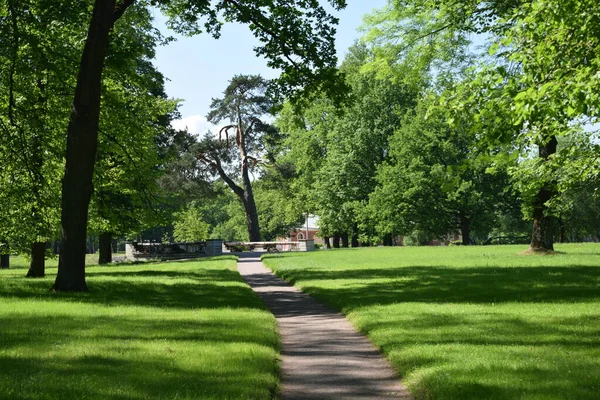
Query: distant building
x,y
309,230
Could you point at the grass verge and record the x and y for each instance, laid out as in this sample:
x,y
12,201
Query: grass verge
x,y
469,322
190,330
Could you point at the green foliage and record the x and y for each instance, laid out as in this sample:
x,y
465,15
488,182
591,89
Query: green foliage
x,y
468,323
39,42
336,151
190,225
297,38
135,116
233,226
537,84
436,181
278,212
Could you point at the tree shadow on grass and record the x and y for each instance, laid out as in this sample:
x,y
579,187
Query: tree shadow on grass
x,y
450,285
186,289
190,334
104,377
452,338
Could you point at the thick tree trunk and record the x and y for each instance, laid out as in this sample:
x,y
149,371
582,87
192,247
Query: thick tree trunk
x,y
4,255
336,241
105,248
327,242
37,266
543,224
82,143
251,216
387,240
344,237
355,239
465,229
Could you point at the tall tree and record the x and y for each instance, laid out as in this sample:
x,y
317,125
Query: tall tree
x,y
82,143
542,82
297,37
337,150
38,47
436,180
244,104
539,83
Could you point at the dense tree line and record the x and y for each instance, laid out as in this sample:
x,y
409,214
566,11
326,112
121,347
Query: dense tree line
x,y
446,117
442,135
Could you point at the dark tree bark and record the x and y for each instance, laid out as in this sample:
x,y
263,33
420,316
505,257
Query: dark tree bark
x,y
542,235
4,255
345,241
387,240
355,239
246,196
37,266
465,229
82,144
336,241
562,231
4,261
327,242
105,248
250,207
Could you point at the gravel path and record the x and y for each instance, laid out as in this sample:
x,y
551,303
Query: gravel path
x,y
323,357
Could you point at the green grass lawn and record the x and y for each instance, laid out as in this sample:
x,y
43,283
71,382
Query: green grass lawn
x,y
190,330
469,322
22,262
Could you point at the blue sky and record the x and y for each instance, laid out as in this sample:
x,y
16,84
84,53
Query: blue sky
x,y
199,68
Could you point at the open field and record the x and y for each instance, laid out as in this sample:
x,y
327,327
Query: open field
x,y
469,322
189,330
22,262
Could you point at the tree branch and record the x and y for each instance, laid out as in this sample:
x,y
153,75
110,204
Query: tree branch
x,y
216,164
120,9
271,33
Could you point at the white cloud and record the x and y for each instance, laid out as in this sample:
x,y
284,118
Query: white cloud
x,y
195,124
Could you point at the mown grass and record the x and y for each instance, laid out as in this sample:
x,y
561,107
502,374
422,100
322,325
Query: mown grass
x,y
22,262
190,330
469,323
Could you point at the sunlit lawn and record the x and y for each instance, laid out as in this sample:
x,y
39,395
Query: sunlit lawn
x,y
189,330
469,323
22,262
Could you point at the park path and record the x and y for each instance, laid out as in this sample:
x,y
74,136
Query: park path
x,y
323,356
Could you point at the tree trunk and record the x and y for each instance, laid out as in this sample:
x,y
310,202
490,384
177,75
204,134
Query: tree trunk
x,y
562,235
4,261
355,239
387,240
251,217
105,248
543,224
37,266
344,237
327,242
465,229
82,143
336,241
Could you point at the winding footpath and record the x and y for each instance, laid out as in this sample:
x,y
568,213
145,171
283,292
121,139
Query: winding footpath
x,y
323,356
